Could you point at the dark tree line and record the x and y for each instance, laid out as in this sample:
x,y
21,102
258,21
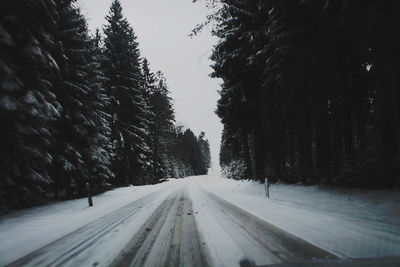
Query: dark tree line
x,y
77,109
310,90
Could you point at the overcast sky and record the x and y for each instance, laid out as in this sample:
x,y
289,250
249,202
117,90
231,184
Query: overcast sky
x,y
162,28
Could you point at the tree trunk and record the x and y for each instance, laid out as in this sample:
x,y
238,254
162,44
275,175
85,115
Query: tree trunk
x,y
387,111
337,141
246,154
259,154
347,114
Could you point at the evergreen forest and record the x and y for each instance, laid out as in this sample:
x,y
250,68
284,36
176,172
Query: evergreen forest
x,y
78,108
310,91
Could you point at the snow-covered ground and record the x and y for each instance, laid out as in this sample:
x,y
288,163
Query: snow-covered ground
x,y
347,223
24,231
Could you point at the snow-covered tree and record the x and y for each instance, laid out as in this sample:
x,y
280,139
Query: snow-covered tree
x,y
27,101
81,132
161,130
100,152
308,90
204,146
128,108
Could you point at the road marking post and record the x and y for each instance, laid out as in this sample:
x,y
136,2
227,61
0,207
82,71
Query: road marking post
x,y
89,195
266,188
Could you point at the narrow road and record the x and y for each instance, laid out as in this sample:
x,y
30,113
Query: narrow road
x,y
170,236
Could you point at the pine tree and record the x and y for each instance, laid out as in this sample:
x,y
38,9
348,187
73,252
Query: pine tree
x,y
204,146
27,101
162,124
100,152
128,109
147,87
308,89
81,132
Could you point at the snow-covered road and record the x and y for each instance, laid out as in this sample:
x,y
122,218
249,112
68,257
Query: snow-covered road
x,y
183,222
168,238
253,237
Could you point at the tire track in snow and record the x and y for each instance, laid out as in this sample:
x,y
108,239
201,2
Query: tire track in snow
x,y
168,238
257,237
65,249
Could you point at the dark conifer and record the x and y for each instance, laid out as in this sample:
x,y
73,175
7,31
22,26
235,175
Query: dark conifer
x,y
27,102
161,127
122,70
306,89
80,154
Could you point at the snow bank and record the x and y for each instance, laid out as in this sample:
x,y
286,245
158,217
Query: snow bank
x,y
25,231
348,223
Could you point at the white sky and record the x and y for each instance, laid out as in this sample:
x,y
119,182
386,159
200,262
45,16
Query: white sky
x,y
162,28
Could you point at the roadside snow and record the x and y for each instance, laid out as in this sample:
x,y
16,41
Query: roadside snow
x,y
25,231
348,223
226,245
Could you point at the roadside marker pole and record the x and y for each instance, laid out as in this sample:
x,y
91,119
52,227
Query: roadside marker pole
x,y
89,195
266,188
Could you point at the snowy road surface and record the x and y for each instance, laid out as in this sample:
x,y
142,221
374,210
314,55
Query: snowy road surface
x,y
179,223
168,238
